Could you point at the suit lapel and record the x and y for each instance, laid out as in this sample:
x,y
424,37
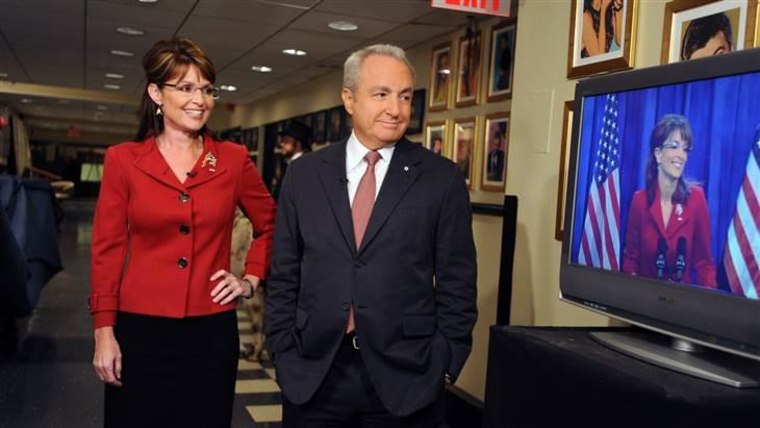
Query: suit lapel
x,y
152,163
402,173
209,166
332,172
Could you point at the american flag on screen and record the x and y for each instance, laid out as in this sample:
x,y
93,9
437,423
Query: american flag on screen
x,y
742,255
600,243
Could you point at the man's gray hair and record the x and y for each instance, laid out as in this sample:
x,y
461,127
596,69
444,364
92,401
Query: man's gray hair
x,y
353,64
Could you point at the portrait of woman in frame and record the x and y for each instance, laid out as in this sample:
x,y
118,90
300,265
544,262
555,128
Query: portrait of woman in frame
x,y
440,77
601,36
495,150
696,29
468,69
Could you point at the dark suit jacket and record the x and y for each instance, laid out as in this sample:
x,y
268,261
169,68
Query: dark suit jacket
x,y
412,283
645,227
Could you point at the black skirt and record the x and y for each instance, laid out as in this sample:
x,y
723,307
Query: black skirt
x,y
175,372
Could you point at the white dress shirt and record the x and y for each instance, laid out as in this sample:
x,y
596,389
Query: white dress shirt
x,y
356,166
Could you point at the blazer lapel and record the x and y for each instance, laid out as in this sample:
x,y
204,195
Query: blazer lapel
x,y
402,173
332,172
209,166
152,163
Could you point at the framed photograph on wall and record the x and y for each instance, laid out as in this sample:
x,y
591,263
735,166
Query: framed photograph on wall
x,y
436,137
564,161
464,146
468,69
695,29
601,40
334,123
418,113
501,64
495,150
319,127
441,65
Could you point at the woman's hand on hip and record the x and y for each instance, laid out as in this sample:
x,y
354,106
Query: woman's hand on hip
x,y
230,287
107,359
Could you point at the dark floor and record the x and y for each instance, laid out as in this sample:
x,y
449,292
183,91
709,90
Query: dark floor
x,y
49,381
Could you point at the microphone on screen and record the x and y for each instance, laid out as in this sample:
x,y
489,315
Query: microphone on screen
x,y
662,248
680,258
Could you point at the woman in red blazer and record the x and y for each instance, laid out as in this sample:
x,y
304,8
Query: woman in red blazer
x,y
668,233
163,299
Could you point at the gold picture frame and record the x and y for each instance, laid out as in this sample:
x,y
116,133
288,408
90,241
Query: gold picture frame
x,y
495,149
464,145
686,21
583,57
564,163
501,61
441,67
469,65
436,137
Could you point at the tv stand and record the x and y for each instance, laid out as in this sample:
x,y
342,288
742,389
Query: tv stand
x,y
684,357
560,376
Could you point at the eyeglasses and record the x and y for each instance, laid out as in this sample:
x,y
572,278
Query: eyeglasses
x,y
188,90
674,145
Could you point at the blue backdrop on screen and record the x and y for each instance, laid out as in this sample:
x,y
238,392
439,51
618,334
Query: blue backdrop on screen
x,y
724,115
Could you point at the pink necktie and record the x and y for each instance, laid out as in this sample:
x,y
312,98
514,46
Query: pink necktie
x,y
364,200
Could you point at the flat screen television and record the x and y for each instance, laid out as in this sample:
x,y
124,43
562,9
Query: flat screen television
x,y
662,213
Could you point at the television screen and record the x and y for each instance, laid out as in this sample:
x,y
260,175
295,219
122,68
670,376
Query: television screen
x,y
662,214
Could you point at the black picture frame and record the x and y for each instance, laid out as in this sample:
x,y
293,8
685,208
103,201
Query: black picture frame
x,y
334,123
319,126
417,116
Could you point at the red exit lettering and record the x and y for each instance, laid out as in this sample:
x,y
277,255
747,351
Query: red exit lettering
x,y
474,3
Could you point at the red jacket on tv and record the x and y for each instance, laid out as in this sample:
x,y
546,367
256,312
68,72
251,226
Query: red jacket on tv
x,y
156,241
689,220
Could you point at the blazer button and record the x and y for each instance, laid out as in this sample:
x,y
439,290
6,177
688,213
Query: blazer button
x,y
184,197
184,229
346,306
182,262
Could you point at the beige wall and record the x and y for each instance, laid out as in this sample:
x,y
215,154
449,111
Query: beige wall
x,y
540,89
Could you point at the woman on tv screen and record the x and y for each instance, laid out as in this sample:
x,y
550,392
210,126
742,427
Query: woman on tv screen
x,y
668,233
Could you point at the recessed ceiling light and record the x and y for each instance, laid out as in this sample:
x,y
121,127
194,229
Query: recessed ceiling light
x,y
228,88
26,101
114,76
343,26
130,31
147,1
261,68
121,53
3,74
111,86
444,71
295,52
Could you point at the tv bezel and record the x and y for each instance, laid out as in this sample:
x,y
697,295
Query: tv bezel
x,y
721,321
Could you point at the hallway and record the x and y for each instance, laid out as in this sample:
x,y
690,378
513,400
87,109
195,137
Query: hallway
x,y
49,382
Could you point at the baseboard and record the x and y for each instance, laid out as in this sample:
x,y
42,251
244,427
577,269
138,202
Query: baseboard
x,y
462,409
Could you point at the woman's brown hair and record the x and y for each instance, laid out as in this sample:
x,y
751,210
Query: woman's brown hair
x,y
165,60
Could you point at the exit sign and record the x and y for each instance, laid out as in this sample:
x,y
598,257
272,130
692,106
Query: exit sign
x,y
488,7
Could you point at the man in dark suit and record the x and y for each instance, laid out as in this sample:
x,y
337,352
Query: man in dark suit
x,y
295,141
369,314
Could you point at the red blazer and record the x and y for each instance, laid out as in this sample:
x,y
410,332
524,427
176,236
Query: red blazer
x,y
645,227
156,241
